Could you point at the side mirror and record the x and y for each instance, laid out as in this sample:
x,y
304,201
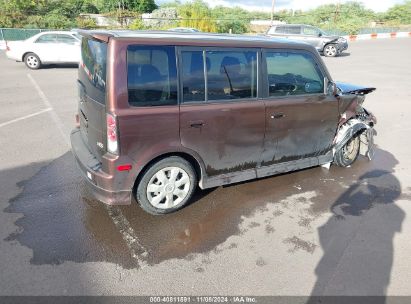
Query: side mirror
x,y
320,34
330,87
313,87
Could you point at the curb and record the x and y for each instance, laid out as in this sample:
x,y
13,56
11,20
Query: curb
x,y
378,36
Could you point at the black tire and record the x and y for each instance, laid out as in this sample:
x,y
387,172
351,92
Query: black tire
x,y
142,195
348,154
330,50
32,61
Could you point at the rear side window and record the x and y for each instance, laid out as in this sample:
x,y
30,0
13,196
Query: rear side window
x,y
92,71
311,31
284,29
230,75
193,76
152,75
67,39
293,74
47,38
280,29
293,29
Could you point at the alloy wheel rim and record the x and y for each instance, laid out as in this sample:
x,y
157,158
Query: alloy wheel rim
x,y
330,50
168,187
32,61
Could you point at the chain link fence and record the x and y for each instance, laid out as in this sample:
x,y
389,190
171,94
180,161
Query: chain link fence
x,y
11,34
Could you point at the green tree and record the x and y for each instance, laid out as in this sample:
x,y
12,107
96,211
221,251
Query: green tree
x,y
141,6
400,13
43,13
349,17
137,24
235,19
197,14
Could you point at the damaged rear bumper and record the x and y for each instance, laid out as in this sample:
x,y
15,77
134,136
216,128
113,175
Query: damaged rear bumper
x,y
96,179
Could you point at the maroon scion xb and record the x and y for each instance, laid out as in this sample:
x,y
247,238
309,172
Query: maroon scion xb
x,y
161,113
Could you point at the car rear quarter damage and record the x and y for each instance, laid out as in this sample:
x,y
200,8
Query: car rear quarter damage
x,y
355,120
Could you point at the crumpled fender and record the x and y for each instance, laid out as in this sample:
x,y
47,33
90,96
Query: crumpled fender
x,y
349,129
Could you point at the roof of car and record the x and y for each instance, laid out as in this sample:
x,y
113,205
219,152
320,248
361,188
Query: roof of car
x,y
197,38
56,32
286,24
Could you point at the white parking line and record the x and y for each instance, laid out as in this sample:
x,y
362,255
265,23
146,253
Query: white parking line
x,y
57,121
137,251
24,117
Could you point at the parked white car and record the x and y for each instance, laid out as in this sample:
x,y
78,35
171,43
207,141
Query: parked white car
x,y
46,48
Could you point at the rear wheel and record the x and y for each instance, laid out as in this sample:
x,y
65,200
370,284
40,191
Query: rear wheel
x,y
32,61
348,153
166,186
330,50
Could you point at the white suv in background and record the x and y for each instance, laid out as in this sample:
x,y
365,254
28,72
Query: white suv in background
x,y
46,48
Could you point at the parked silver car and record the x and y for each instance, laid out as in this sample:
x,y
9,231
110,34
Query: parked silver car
x,y
184,30
330,46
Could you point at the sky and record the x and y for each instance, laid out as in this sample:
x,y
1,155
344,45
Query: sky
x,y
376,5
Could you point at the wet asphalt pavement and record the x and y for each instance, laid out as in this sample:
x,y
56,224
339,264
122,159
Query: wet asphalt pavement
x,y
316,231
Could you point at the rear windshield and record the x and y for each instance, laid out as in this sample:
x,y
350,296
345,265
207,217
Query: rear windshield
x,y
92,71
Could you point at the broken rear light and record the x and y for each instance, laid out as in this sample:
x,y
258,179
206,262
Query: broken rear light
x,y
112,136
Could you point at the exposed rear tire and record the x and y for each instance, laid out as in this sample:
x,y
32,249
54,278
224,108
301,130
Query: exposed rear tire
x,y
32,61
348,154
330,50
166,186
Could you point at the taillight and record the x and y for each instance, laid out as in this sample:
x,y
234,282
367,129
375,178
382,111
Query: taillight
x,y
112,135
77,121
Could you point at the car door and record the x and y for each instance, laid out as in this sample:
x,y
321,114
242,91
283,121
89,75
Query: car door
x,y
301,120
221,118
69,48
45,46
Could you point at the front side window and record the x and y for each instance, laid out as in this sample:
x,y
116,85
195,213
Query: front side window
x,y
293,74
152,75
46,38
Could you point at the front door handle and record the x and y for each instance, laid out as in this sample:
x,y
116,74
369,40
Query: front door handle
x,y
196,124
277,115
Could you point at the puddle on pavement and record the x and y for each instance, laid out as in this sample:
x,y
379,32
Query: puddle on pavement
x,y
60,223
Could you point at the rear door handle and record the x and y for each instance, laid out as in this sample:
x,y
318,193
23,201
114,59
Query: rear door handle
x,y
277,115
196,124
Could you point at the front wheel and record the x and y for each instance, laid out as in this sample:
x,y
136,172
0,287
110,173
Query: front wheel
x,y
166,186
32,61
330,50
348,153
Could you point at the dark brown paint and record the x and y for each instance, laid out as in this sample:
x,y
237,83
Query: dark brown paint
x,y
234,138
